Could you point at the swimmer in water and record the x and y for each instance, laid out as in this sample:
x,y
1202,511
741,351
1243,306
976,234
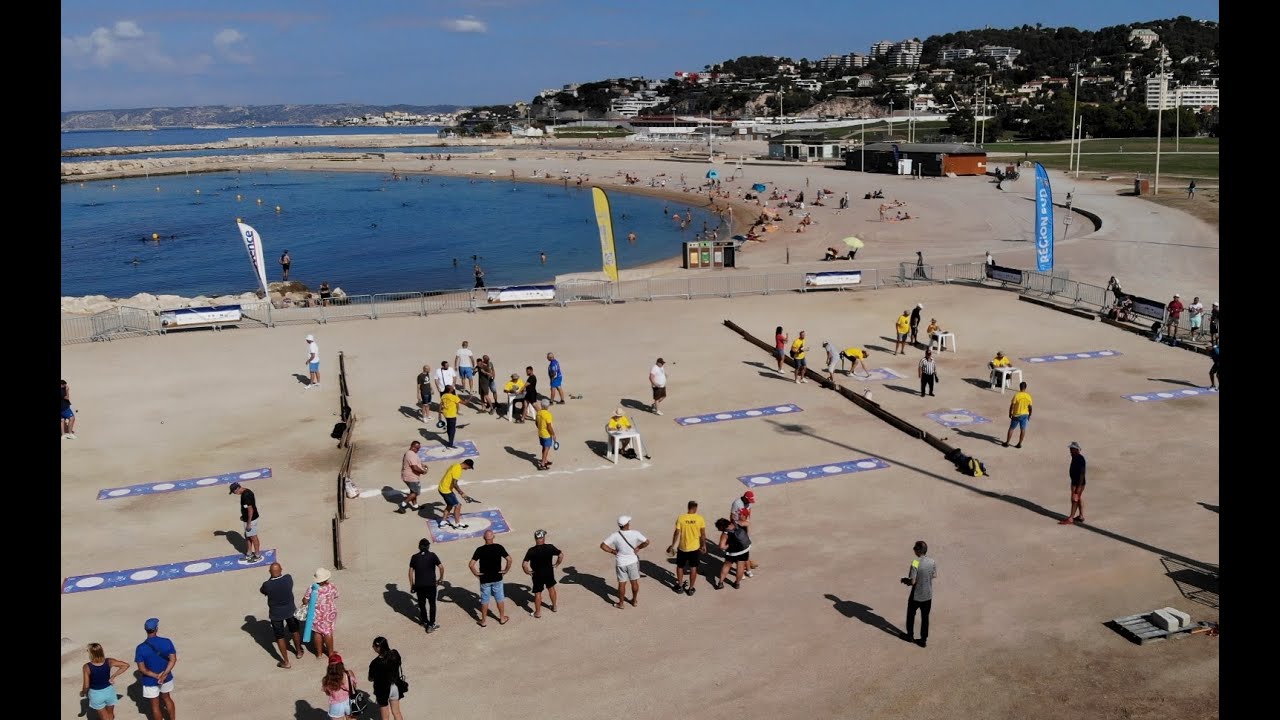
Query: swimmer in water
x,y
543,255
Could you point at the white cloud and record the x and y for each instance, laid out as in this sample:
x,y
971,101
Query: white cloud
x,y
123,43
466,24
231,43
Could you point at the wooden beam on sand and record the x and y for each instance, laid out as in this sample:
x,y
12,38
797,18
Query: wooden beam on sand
x,y
869,405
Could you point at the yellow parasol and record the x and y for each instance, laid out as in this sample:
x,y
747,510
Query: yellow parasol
x,y
853,242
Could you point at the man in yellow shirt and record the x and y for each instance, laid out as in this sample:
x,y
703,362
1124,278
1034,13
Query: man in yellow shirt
x,y
448,415
688,541
450,488
999,361
854,355
903,329
514,390
617,423
546,433
1019,415
797,354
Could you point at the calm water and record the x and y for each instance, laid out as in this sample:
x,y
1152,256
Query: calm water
x,y
363,232
420,149
193,136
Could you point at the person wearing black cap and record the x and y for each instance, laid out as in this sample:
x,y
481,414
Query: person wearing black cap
x,y
249,516
425,572
156,657
540,562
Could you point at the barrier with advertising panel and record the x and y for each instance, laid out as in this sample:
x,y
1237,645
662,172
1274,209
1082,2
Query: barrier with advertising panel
x,y
521,295
1004,274
213,315
1147,308
832,279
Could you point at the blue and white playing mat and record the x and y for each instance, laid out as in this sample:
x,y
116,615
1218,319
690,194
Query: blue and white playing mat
x,y
1072,356
476,522
1172,394
193,483
462,449
159,573
876,375
956,417
739,414
817,471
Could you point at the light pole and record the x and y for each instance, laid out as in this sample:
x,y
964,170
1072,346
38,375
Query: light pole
x,y
1074,98
1079,131
1164,81
984,113
1177,108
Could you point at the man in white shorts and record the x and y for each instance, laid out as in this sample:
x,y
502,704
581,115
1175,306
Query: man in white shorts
x,y
831,362
156,657
624,546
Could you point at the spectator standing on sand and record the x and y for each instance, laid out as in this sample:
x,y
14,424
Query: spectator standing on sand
x,y
529,411
449,402
902,328
1213,369
735,543
444,376
779,346
688,542
798,350
556,377
278,588
326,618
1173,313
1213,323
464,360
928,372
487,565
1019,414
424,392
658,382
915,324
920,273
99,674
249,516
156,657
830,367
285,263
920,579
1195,314
386,672
625,545
1077,474
338,684
540,563
486,377
313,362
68,414
411,469
1191,190
425,573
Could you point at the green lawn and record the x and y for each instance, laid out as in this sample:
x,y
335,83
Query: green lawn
x,y
1187,144
1171,165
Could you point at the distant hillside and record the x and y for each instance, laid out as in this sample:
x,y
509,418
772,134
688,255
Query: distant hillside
x,y
233,115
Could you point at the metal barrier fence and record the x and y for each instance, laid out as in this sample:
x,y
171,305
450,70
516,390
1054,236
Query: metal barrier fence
x,y
128,321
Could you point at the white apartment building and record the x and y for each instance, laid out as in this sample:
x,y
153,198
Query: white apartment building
x,y
632,105
831,61
1145,36
1001,54
947,55
857,60
906,53
881,48
1154,95
1197,96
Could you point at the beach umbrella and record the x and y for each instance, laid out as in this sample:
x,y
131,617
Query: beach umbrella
x,y
759,187
853,242
713,175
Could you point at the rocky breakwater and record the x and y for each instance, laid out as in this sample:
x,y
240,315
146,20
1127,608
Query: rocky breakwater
x,y
291,294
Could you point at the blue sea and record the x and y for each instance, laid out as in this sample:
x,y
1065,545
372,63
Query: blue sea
x,y
363,232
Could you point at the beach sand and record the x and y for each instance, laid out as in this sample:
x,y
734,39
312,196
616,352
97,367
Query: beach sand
x,y
1020,602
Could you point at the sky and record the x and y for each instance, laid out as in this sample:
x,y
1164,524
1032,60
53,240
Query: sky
x,y
174,53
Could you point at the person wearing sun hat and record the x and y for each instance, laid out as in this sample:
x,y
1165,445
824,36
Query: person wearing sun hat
x,y
326,616
1077,473
618,422
156,657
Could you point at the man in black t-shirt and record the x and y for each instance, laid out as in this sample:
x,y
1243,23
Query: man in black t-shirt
x,y
541,561
425,570
530,395
487,564
249,516
424,393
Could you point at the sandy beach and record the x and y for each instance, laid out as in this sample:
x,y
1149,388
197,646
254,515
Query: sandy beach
x,y
954,220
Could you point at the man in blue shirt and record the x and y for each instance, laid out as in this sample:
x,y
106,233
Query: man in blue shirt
x,y
557,378
156,657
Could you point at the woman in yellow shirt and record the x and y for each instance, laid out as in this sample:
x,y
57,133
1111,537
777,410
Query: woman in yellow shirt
x,y
617,423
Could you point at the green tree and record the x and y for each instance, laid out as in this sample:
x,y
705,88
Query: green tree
x,y
960,122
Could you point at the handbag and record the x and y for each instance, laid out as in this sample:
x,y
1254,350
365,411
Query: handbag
x,y
300,614
359,698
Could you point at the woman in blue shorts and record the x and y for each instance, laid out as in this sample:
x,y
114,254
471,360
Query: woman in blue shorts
x,y
99,673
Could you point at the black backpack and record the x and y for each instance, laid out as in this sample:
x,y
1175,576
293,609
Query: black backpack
x,y
971,466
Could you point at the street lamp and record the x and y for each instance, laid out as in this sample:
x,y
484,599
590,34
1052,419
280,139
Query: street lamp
x,y
1074,98
1164,82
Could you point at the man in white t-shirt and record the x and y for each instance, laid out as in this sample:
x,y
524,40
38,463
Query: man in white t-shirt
x,y
443,376
658,381
313,362
464,360
624,546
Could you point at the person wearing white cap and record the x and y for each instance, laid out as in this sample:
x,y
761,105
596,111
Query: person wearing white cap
x,y
831,362
625,545
313,362
1076,515
1195,315
915,322
1173,312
